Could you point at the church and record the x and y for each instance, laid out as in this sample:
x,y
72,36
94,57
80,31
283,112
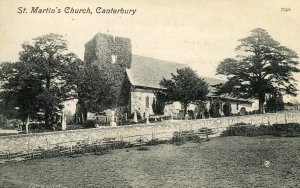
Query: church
x,y
143,75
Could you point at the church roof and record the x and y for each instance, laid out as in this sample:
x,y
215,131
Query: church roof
x,y
147,72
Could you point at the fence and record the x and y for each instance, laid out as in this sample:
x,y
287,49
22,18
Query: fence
x,y
26,145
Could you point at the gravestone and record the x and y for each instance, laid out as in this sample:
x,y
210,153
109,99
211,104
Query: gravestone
x,y
27,124
63,122
112,119
242,111
135,117
147,116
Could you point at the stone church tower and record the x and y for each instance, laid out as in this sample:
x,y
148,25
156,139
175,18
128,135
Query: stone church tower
x,y
105,48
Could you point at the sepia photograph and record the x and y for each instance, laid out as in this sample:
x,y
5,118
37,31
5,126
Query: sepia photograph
x,y
140,93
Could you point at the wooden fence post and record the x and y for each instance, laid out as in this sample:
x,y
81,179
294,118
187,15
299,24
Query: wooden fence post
x,y
8,154
87,140
285,119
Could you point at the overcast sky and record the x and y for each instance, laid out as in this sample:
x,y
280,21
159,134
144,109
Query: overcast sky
x,y
194,32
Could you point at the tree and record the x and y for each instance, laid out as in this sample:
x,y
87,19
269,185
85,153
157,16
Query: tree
x,y
200,109
215,108
38,83
100,88
21,90
185,87
227,108
262,66
274,103
158,106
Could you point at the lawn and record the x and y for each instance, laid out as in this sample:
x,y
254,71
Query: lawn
x,y
221,162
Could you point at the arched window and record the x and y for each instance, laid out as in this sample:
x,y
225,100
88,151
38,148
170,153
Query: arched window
x,y
147,102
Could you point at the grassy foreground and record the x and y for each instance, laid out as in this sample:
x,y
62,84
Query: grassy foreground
x,y
221,162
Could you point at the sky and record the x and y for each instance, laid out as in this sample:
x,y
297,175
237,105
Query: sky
x,y
199,33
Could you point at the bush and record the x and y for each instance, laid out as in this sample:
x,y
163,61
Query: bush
x,y
142,148
214,110
121,145
49,153
156,141
242,129
89,124
288,130
206,114
181,137
36,128
178,138
274,104
227,108
102,151
158,106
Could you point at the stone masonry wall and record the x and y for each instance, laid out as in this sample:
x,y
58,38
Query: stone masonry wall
x,y
138,102
103,46
160,130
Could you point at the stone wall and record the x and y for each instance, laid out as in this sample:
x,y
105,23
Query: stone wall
x,y
160,130
138,102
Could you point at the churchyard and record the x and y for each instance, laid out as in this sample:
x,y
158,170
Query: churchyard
x,y
146,101
250,160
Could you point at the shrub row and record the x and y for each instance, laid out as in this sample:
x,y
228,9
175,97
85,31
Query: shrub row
x,y
181,137
286,130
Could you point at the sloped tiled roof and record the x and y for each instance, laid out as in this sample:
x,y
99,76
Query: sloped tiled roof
x,y
147,72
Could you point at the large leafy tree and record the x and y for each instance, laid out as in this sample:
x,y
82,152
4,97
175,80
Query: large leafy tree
x,y
262,67
185,87
38,82
101,87
21,90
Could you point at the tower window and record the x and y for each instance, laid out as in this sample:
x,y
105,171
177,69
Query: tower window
x,y
113,59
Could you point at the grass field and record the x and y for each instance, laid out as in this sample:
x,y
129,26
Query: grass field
x,y
221,162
